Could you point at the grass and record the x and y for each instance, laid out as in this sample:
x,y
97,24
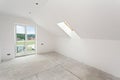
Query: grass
x,y
29,42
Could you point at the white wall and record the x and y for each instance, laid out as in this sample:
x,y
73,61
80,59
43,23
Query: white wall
x,y
102,54
7,38
47,39
0,51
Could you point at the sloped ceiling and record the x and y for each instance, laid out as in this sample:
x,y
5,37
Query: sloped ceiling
x,y
96,19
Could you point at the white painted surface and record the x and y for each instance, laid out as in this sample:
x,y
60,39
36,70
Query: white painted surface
x,y
7,24
98,19
0,51
102,54
46,41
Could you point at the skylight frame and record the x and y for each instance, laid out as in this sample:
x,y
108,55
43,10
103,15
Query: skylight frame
x,y
65,27
68,30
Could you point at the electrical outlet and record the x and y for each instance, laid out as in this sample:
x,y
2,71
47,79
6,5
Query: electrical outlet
x,y
8,54
42,43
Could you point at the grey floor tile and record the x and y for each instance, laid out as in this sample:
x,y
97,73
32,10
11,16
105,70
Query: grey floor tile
x,y
50,66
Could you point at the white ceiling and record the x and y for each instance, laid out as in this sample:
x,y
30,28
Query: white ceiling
x,y
98,19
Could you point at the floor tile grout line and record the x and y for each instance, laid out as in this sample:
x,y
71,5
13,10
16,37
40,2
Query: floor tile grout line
x,y
37,76
70,72
44,71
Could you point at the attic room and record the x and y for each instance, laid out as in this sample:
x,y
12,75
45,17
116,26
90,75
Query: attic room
x,y
59,40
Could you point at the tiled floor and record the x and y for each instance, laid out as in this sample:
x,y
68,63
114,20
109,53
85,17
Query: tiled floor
x,y
49,66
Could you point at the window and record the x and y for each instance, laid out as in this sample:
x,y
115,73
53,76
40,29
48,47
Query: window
x,y
25,40
70,32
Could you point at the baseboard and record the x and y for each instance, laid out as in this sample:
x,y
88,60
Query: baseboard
x,y
47,52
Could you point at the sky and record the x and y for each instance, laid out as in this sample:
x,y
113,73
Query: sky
x,y
21,29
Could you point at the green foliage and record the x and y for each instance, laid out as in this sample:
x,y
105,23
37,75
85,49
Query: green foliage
x,y
29,42
20,36
31,35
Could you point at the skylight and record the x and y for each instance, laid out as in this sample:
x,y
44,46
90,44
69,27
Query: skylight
x,y
66,28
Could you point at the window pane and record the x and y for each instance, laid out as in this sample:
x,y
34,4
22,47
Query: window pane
x,y
30,30
20,29
30,43
20,37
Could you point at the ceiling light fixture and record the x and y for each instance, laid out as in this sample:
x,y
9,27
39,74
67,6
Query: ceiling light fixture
x,y
30,12
37,4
